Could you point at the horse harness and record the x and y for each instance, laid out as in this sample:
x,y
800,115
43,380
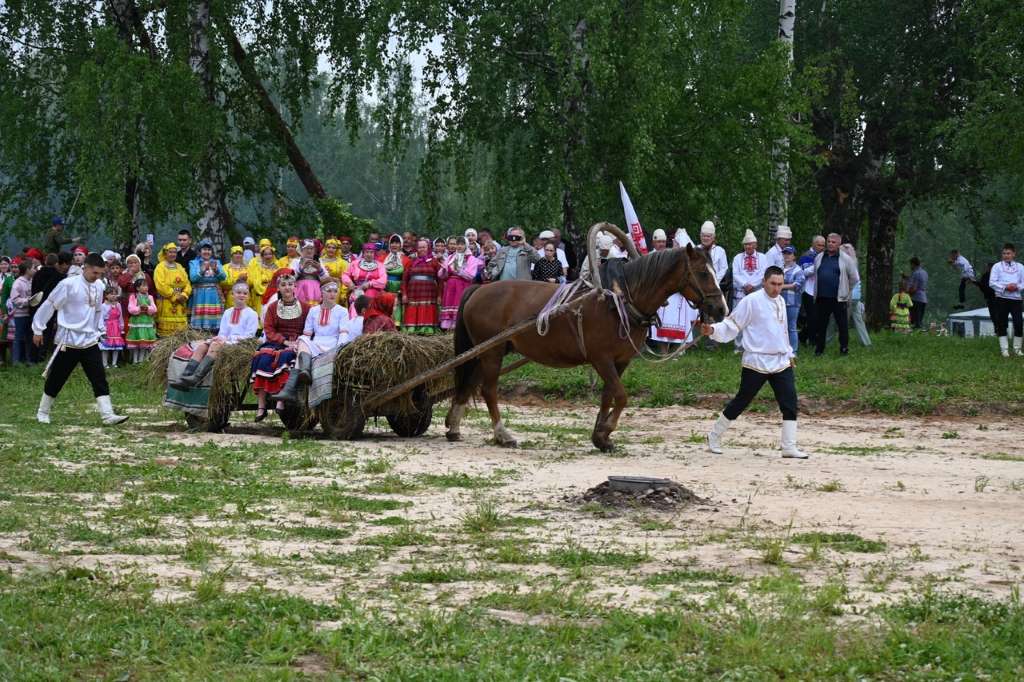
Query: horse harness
x,y
621,300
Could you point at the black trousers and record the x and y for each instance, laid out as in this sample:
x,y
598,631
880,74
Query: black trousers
x,y
1005,307
65,362
962,293
917,314
807,333
823,308
783,384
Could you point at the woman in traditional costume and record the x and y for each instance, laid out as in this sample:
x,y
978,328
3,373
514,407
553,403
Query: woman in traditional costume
x,y
420,291
261,273
309,274
367,276
172,290
283,323
457,273
395,264
326,328
378,315
207,303
335,264
291,253
234,272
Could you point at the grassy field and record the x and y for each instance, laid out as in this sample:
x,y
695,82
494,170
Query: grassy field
x,y
916,374
144,553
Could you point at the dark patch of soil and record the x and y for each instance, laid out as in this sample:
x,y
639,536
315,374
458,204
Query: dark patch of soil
x,y
663,497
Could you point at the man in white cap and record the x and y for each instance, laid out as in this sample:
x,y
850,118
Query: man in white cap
x,y
747,274
783,237
548,237
767,357
248,249
677,315
719,260
659,240
605,242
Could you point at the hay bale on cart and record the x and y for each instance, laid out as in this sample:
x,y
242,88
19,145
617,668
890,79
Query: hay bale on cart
x,y
372,365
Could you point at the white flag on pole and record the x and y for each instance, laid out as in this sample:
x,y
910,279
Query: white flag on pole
x,y
633,223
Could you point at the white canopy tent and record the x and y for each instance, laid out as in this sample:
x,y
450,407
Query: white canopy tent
x,y
971,323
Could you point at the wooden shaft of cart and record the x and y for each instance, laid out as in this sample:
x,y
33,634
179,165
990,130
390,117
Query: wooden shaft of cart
x,y
473,352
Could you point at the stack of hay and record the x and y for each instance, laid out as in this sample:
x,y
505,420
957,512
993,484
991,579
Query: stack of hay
x,y
375,363
230,371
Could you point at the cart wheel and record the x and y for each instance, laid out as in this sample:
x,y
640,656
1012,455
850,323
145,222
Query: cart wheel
x,y
342,419
291,416
412,425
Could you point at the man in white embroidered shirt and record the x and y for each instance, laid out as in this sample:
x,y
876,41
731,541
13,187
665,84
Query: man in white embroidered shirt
x,y
78,303
767,357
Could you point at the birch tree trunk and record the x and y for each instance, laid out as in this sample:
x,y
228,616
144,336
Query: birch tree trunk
x,y
574,110
778,207
216,218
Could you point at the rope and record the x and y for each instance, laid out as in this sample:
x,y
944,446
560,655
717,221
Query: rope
x,y
565,292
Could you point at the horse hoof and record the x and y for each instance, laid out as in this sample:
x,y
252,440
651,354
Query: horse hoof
x,y
603,444
453,437
509,444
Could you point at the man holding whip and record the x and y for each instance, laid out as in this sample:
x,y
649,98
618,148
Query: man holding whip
x,y
78,302
767,357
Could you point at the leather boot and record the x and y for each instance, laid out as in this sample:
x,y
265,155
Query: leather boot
x,y
205,365
290,392
304,366
185,381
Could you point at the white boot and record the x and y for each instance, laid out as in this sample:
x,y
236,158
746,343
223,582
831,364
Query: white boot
x,y
1004,346
716,433
107,412
43,413
1017,341
789,450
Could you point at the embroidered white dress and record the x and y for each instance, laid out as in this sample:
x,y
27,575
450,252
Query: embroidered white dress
x,y
326,329
237,325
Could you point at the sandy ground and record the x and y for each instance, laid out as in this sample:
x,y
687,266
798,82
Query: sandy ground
x,y
946,496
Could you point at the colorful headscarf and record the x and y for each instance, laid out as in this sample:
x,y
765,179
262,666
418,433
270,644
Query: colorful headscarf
x,y
167,247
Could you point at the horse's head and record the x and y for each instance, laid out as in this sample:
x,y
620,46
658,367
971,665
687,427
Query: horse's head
x,y
700,286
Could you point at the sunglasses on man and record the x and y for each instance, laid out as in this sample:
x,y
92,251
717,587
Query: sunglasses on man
x,y
515,238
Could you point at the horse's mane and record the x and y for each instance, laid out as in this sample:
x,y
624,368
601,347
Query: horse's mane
x,y
648,272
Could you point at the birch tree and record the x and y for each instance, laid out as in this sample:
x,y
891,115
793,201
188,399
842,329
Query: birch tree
x,y
779,203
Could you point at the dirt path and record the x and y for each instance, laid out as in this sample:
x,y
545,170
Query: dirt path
x,y
944,496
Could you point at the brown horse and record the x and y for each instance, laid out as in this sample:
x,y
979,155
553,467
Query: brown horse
x,y
487,310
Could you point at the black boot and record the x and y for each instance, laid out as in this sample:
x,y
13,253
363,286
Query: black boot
x,y
190,380
300,372
304,366
185,381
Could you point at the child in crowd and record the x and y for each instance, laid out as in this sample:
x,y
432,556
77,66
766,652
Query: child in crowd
x,y
112,342
899,310
792,293
141,328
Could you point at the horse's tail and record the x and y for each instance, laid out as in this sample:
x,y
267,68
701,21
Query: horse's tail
x,y
467,375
